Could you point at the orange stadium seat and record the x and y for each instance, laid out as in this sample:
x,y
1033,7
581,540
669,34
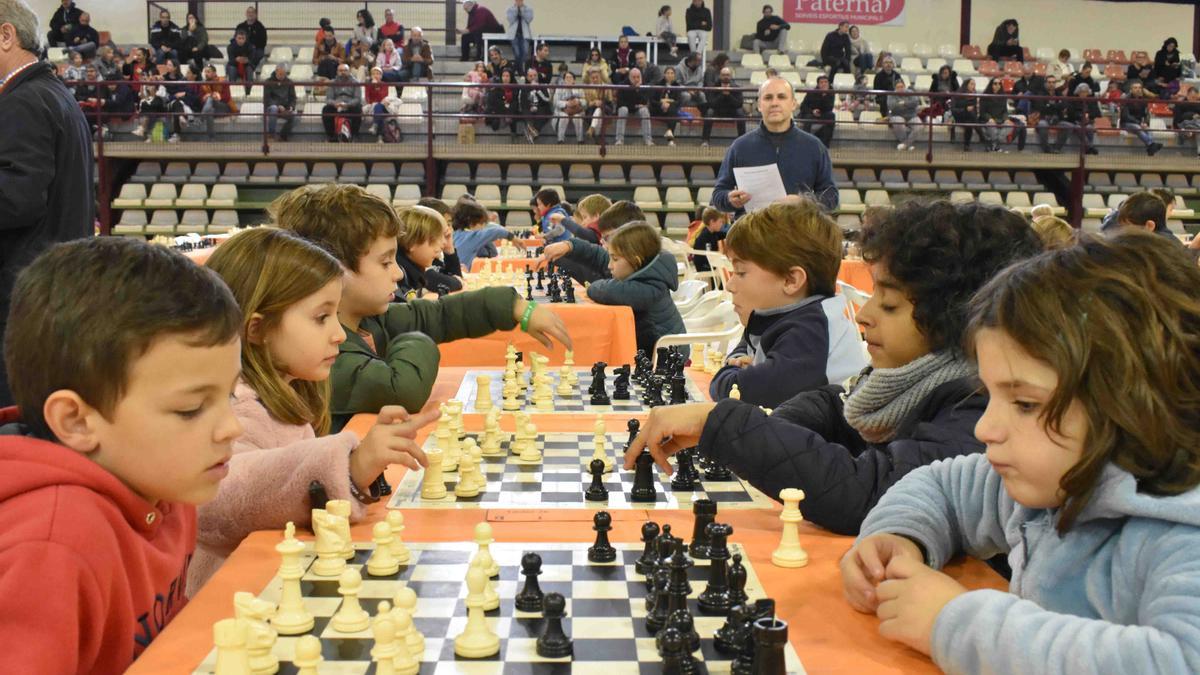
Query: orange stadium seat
x,y
1114,72
1095,56
990,68
1117,56
972,52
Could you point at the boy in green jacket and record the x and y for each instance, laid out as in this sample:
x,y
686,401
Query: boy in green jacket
x,y
390,356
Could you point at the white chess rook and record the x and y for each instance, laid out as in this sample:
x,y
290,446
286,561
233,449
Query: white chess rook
x,y
433,485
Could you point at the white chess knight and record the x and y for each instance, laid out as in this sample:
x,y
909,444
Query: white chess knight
x,y
790,553
477,640
341,509
291,617
491,435
350,616
260,636
400,552
229,637
330,562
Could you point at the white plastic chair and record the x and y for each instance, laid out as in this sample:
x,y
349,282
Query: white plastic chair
x,y
716,318
689,292
704,303
721,337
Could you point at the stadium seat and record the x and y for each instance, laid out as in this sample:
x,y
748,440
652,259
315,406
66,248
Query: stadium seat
x,y
176,172
193,195
794,78
919,179
642,174
922,50
281,55
974,181
1117,56
865,179
1181,208
647,197
265,173
961,197
1095,56
518,219
757,78
205,172
704,196
877,198
780,62
677,224
223,221
406,195
193,220
1149,181
384,192
163,221
990,68
947,51
382,172
147,172
991,197
1115,200
452,191
849,201
549,173
488,195
161,195
323,172
1018,201
1093,206
753,60
1125,182
1050,200
935,64
488,172
946,179
518,197
412,172
898,49
1000,180
133,222
458,172
680,198
235,172
353,172
1179,184
130,196
612,174
1027,181
222,196
892,179
972,52
521,174
702,174
672,174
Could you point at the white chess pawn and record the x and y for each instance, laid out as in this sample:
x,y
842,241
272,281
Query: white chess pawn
x,y
790,553
395,652
260,636
569,364
308,655
530,453
433,484
467,486
405,601
400,552
341,509
735,393
385,650
483,393
291,617
698,354
484,539
491,435
382,563
229,637
477,640
350,617
564,387
483,560
480,467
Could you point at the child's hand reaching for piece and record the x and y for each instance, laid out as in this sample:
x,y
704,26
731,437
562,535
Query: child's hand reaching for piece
x,y
543,325
553,252
556,218
865,566
390,441
910,601
668,430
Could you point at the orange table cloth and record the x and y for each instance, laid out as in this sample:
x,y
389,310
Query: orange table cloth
x,y
481,264
598,332
857,274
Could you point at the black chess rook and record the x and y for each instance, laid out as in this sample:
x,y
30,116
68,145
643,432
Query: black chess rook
x,y
705,513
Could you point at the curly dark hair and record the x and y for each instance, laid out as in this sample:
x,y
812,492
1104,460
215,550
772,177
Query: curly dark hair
x,y
941,254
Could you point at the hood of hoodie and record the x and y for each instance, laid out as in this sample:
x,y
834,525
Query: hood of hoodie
x,y
1116,496
662,270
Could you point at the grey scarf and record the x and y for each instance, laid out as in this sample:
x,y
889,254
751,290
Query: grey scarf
x,y
883,397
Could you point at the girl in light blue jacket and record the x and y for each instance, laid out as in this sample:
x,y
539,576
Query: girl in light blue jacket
x,y
1091,358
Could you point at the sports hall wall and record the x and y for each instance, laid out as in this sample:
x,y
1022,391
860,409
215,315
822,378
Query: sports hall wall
x,y
1052,23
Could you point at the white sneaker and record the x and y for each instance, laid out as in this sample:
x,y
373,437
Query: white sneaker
x,y
669,135
619,141
649,142
173,139
704,144
139,131
899,146
911,146
671,143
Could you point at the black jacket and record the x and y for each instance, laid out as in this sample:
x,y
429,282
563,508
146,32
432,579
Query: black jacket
x,y
255,35
806,443
81,35
1166,65
47,192
632,97
816,100
1135,111
417,282
1185,110
760,29
835,47
885,81
1052,109
1078,79
165,38
993,109
1083,113
64,16
698,18
279,92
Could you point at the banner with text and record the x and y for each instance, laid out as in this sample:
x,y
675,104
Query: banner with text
x,y
859,12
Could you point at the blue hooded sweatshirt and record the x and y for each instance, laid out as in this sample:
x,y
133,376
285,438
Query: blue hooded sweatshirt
x,y
648,292
1118,593
804,165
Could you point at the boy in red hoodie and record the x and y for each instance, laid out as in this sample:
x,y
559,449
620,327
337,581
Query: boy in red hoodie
x,y
122,358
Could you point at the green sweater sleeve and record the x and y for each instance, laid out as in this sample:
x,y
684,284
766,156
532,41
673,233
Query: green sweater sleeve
x,y
403,374
456,316
588,254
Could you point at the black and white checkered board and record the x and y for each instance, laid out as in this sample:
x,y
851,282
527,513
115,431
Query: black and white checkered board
x,y
577,402
605,613
560,479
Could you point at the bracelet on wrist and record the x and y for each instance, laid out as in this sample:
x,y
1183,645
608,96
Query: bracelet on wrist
x,y
529,307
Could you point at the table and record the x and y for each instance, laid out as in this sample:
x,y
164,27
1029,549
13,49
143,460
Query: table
x,y
598,332
828,635
483,264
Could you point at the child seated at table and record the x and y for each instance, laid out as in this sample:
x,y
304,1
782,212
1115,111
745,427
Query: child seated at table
x,y
424,238
545,204
289,291
917,403
122,357
643,277
584,261
1089,483
390,355
710,236
473,231
584,223
784,285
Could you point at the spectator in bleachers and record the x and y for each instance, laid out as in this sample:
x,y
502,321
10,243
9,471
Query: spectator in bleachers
x,y
504,104
152,109
1023,88
84,39
361,60
324,25
62,22
194,47
75,69
726,103
712,74
520,31
1135,117
568,106
634,100
860,51
390,30
1111,102
342,114
817,111
496,63
1084,76
255,32
1006,42
89,94
215,99
137,63
542,64
119,101
474,99
1062,68
652,75
364,29
946,81
480,20
596,61
241,64
417,56
993,114
699,22
690,73
374,94
390,62
535,105
1186,117
600,103
1082,114
966,111
858,100
665,30
279,102
165,38
622,61
903,116
329,55
1141,69
771,32
105,65
179,98
1052,114
836,49
666,102
1167,69
885,80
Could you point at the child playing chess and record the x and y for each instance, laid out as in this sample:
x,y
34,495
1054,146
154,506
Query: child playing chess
x,y
289,291
785,262
917,403
1089,483
584,225
473,232
643,276
545,204
122,358
390,355
424,236
586,261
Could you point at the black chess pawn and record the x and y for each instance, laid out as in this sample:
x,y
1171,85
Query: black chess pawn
x,y
684,480
715,597
682,621
529,290
541,278
596,492
770,637
639,366
728,638
737,581
570,289
677,658
680,587
529,599
554,642
633,426
718,473
654,388
643,480
660,608
662,362
678,389
648,560
602,551
704,512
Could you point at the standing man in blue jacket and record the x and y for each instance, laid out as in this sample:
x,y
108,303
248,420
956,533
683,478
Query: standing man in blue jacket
x,y
803,160
520,32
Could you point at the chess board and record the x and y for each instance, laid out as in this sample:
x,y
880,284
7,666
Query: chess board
x,y
560,479
577,402
605,613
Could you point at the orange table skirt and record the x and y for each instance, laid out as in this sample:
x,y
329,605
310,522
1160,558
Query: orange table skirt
x,y
598,332
502,264
857,274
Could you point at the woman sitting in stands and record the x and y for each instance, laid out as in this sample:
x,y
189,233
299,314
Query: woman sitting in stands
x,y
1006,42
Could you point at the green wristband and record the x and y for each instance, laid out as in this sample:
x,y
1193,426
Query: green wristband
x,y
525,317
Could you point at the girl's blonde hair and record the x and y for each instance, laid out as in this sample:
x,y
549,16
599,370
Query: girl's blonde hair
x,y
421,225
637,242
269,270
1054,231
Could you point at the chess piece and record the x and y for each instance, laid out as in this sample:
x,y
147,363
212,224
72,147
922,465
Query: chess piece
x,y
597,388
621,384
382,563
400,552
770,637
308,655
291,618
467,486
790,553
484,539
510,391
640,366
673,648
680,587
404,605
737,580
662,360
554,643
472,448
715,599
491,435
564,387
633,427
717,473
529,599
455,408
330,562
654,388
678,389
569,363
385,651
483,393
350,617
433,485
491,597
600,445
643,480
685,477
260,636
340,509
602,551
705,513
570,289
648,559
699,354
682,621
659,607
442,432
735,393
229,637
541,278
596,492
530,453
729,637
477,640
